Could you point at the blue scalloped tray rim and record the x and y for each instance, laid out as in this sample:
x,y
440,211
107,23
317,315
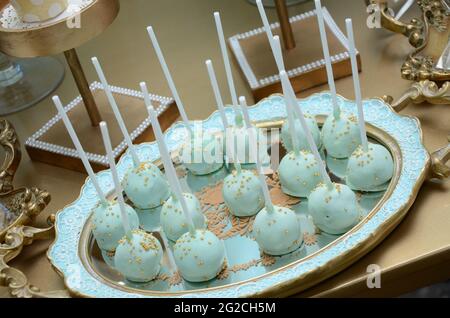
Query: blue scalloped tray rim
x,y
406,131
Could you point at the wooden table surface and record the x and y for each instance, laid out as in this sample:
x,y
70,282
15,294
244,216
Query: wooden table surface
x,y
417,253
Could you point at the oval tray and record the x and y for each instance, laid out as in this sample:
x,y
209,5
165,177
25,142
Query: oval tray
x,y
75,256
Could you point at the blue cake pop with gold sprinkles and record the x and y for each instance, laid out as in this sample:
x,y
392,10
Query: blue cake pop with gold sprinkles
x,y
299,170
199,256
242,193
277,232
335,210
139,258
340,135
143,184
299,173
370,170
286,137
173,220
332,206
276,229
370,166
107,224
138,254
146,186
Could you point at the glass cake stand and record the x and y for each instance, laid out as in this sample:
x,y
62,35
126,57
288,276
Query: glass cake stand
x,y
25,82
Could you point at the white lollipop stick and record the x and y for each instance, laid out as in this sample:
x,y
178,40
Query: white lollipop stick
x,y
171,259
292,100
116,180
226,59
291,115
148,103
268,30
291,119
278,53
262,179
79,148
326,54
169,79
217,95
116,111
185,186
169,168
237,164
404,9
356,83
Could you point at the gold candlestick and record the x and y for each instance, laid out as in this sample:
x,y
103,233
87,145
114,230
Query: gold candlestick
x,y
286,28
83,86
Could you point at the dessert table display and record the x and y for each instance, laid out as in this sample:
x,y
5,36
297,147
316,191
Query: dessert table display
x,y
252,262
292,243
321,254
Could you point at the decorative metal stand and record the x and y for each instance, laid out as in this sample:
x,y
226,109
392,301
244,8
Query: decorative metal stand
x,y
18,208
63,35
429,36
304,64
51,144
429,64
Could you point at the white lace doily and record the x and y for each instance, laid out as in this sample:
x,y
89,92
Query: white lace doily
x,y
9,19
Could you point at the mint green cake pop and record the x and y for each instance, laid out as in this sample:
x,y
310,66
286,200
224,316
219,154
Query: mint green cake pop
x,y
199,256
174,222
107,224
276,229
139,258
277,232
340,136
334,211
370,166
286,138
299,173
242,193
146,186
299,170
203,154
369,170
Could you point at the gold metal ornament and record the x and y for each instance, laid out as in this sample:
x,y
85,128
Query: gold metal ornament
x,y
414,30
16,239
419,92
439,168
10,143
428,34
18,208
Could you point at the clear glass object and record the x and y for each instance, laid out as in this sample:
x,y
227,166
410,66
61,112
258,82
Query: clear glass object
x,y
271,3
25,82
